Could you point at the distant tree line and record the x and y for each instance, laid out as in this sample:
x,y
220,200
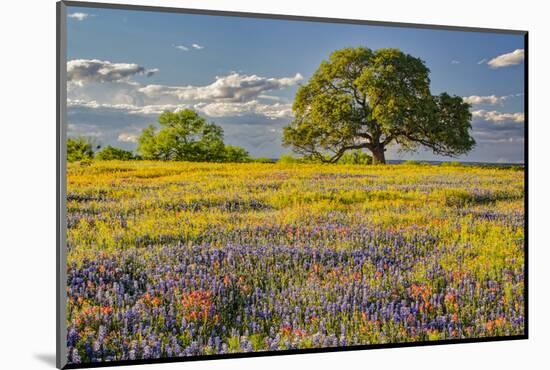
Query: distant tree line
x,y
79,149
186,136
182,136
82,149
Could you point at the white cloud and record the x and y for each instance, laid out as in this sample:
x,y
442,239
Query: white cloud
x,y
126,137
95,70
224,109
152,109
455,61
187,48
156,109
498,117
108,87
275,111
78,16
270,97
482,61
86,130
233,87
498,140
212,109
116,92
509,59
489,99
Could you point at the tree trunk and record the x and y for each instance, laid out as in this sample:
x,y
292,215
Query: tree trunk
x,y
378,155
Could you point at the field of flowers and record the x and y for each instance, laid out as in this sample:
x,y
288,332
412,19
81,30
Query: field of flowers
x,y
183,259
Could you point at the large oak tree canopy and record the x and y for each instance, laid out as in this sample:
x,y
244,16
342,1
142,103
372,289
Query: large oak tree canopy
x,y
364,99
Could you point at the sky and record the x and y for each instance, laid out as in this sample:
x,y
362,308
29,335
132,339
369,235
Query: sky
x,y
125,67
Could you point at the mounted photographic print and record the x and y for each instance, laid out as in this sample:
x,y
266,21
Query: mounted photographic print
x,y
234,184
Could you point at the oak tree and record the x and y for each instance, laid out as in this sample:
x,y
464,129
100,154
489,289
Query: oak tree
x,y
364,99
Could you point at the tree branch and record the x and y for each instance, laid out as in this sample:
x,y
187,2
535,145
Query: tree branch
x,y
343,149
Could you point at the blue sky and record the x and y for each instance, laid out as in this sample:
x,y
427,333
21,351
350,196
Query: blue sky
x,y
125,67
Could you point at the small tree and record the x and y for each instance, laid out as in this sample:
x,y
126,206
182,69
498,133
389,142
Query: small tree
x,y
79,149
235,154
183,136
110,153
364,99
356,156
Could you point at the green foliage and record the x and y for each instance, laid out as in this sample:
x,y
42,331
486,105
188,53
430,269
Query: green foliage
x,y
235,154
79,149
148,147
234,344
356,156
364,99
183,136
434,335
85,162
412,162
451,164
186,136
109,153
257,341
263,160
289,158
353,157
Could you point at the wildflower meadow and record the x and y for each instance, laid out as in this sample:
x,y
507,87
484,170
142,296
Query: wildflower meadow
x,y
173,259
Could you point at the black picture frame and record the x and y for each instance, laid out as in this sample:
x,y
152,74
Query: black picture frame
x,y
61,127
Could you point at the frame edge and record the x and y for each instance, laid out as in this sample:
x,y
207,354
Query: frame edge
x,y
61,254
291,17
61,127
